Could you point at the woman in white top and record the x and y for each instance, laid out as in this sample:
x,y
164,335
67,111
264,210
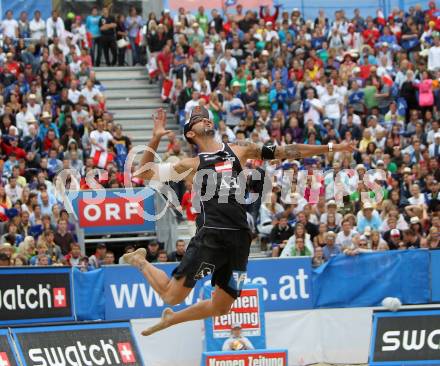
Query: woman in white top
x,y
300,231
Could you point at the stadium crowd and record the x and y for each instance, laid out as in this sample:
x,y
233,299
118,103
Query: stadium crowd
x,y
269,77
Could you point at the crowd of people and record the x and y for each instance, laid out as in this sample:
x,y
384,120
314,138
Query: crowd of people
x,y
268,77
274,77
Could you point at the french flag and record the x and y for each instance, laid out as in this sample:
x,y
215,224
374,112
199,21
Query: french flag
x,y
102,158
225,166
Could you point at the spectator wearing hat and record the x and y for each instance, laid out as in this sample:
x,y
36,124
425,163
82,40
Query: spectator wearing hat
x,y
236,341
97,259
393,238
152,251
368,217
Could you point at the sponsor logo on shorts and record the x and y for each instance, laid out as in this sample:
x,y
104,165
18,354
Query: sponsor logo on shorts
x,y
204,270
245,311
237,280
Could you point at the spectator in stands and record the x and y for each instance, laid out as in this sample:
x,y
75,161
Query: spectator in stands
x,y
162,256
74,256
330,249
127,249
97,259
177,255
109,258
63,237
152,251
279,236
5,260
107,41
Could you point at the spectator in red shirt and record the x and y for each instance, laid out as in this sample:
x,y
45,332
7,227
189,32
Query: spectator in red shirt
x,y
191,214
265,14
164,60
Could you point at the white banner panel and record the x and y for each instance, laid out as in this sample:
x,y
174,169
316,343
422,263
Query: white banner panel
x,y
311,336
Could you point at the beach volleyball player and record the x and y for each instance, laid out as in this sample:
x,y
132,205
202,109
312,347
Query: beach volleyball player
x,y
221,244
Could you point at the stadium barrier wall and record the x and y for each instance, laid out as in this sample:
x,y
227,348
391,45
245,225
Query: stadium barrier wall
x,y
70,345
54,294
335,336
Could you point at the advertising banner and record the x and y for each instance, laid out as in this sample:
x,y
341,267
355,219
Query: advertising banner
x,y
73,345
245,358
114,211
406,338
435,275
7,355
347,281
33,295
286,285
247,311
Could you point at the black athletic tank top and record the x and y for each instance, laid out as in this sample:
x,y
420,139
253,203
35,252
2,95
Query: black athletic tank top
x,y
218,184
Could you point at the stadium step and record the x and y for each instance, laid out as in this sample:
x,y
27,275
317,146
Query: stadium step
x,y
122,94
132,100
138,103
122,83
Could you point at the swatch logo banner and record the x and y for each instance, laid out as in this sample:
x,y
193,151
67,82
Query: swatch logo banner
x,y
33,295
406,336
101,344
246,358
245,311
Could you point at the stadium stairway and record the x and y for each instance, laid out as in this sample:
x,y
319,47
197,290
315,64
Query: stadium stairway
x,y
132,100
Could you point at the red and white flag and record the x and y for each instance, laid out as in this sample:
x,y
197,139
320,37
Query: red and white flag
x,y
387,79
225,166
102,158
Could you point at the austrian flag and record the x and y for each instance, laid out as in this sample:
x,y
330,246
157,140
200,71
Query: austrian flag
x,y
102,158
225,166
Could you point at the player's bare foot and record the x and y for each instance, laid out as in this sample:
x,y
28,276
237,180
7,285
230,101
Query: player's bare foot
x,y
136,258
164,323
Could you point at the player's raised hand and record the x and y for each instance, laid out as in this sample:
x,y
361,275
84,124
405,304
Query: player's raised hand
x,y
160,122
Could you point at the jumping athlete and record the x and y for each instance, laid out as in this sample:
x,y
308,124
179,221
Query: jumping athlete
x,y
221,244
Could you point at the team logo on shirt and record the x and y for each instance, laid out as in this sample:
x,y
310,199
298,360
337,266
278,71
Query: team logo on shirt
x,y
224,166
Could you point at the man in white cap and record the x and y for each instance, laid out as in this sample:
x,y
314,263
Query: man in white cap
x,y
331,209
368,217
236,342
434,148
32,105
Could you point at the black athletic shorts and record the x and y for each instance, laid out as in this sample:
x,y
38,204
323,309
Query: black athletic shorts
x,y
222,253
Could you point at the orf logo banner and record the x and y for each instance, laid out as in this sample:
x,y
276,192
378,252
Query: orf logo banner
x,y
114,210
407,337
247,311
74,345
31,295
7,356
246,358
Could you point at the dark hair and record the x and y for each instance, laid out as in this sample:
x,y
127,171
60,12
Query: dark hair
x,y
4,257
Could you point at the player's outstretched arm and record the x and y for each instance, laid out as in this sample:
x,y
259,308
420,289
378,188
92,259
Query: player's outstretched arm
x,y
291,151
164,172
